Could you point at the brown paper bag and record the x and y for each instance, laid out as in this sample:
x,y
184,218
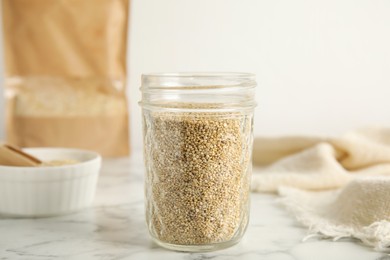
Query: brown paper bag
x,y
65,66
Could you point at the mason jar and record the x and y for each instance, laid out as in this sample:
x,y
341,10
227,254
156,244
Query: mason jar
x,y
198,134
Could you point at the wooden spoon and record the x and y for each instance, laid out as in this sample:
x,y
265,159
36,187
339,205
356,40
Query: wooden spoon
x,y
13,156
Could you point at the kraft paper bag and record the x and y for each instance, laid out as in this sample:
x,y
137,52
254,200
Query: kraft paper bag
x,y
65,67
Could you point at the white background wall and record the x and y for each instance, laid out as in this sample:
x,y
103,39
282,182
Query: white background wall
x,y
323,66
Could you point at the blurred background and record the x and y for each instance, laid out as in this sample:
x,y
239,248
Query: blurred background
x,y
323,67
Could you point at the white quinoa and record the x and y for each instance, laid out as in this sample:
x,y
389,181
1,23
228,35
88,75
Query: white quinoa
x,y
198,174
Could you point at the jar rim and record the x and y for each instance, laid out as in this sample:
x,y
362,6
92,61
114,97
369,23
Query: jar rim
x,y
228,90
184,81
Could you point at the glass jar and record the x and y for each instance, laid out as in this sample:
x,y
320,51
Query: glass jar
x,y
197,130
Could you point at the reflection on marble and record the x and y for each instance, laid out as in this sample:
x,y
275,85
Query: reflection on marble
x,y
115,229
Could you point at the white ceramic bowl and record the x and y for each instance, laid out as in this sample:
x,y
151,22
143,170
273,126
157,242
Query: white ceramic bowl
x,y
51,190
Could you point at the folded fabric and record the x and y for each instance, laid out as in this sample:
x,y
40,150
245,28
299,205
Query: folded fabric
x,y
338,187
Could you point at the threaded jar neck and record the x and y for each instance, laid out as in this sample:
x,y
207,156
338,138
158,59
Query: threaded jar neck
x,y
198,91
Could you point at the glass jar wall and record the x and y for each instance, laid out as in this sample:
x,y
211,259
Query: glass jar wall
x,y
197,150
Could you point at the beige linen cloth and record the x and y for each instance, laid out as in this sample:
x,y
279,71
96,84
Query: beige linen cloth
x,y
337,187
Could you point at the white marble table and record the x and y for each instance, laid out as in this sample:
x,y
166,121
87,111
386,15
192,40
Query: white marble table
x,y
115,229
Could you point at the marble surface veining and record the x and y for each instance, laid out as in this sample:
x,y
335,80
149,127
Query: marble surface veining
x,y
114,228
